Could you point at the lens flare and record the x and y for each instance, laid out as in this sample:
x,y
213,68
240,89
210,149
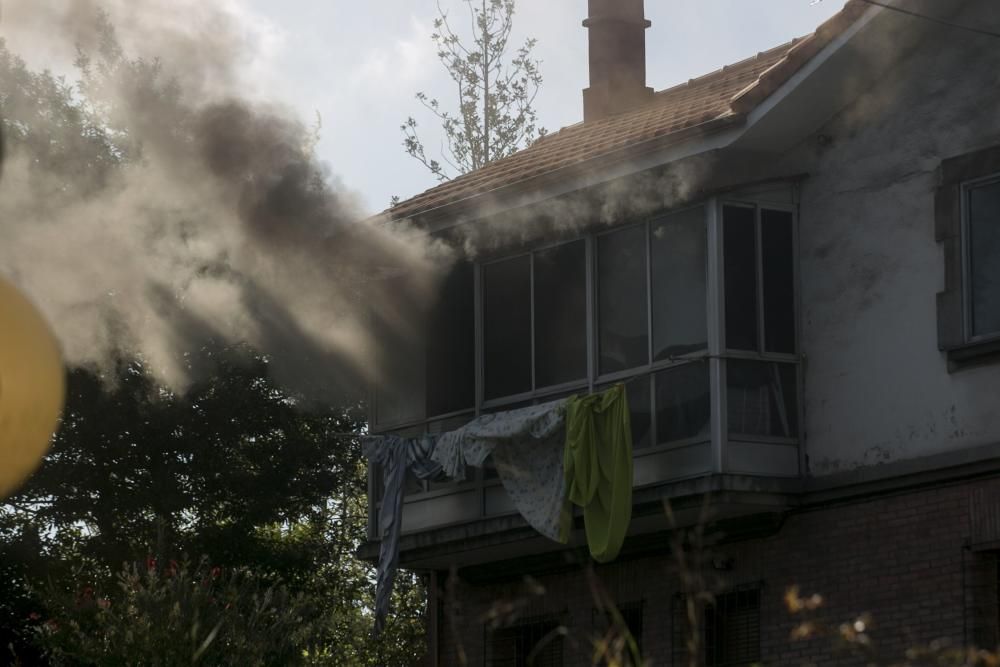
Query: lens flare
x,y
32,388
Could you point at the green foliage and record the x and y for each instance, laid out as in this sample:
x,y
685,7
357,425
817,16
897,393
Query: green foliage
x,y
496,92
235,468
176,614
135,465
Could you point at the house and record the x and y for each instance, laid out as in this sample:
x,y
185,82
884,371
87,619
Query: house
x,y
792,264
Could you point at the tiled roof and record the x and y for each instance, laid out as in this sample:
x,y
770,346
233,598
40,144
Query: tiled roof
x,y
713,98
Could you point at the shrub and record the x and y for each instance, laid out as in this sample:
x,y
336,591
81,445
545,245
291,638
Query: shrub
x,y
176,614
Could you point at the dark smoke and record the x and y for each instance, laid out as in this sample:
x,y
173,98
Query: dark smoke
x,y
212,218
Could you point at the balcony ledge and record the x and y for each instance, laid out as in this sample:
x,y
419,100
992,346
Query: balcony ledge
x,y
509,538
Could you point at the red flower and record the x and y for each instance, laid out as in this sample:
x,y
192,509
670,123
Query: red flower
x,y
87,593
171,568
150,563
216,571
34,616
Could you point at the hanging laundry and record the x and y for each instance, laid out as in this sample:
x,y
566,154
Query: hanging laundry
x,y
598,468
396,456
527,446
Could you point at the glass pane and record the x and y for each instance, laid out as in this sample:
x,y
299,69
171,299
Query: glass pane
x,y
778,257
762,398
399,331
640,409
561,314
679,269
740,249
984,258
683,403
507,327
451,345
623,326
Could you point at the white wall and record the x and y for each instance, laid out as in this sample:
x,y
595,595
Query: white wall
x,y
876,387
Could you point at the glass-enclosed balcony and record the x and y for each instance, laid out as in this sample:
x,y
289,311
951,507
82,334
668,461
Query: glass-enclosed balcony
x,y
694,310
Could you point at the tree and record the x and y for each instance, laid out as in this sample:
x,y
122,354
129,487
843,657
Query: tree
x,y
496,93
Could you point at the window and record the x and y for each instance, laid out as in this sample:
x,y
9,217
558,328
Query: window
x,y
740,250
729,629
761,366
537,640
623,329
451,345
968,227
631,614
561,314
983,257
679,274
399,329
683,405
762,399
535,320
507,326
759,270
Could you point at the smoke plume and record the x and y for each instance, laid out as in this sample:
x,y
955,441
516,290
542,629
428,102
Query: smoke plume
x,y
189,208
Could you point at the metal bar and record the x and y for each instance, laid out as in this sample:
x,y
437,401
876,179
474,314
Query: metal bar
x,y
716,331
477,277
649,294
759,269
591,242
531,301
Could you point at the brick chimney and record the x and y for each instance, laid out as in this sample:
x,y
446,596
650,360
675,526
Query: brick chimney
x,y
617,35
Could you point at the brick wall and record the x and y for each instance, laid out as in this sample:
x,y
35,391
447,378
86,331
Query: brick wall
x,y
903,557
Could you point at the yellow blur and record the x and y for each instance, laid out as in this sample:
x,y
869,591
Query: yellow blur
x,y
32,388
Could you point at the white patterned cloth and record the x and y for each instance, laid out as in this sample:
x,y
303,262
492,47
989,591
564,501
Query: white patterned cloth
x,y
527,445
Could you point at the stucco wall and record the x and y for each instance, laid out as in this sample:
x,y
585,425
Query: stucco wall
x,y
876,386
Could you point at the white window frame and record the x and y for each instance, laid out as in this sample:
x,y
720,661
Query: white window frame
x,y
967,287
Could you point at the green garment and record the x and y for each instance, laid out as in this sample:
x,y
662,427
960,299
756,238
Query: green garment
x,y
598,468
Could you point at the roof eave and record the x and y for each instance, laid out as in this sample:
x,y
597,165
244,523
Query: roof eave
x,y
697,139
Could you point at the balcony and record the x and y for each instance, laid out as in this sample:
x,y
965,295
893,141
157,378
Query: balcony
x,y
693,310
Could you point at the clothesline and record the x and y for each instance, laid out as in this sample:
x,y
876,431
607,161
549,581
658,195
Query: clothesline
x,y
546,458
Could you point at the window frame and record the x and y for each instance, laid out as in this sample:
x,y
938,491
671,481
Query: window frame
x,y
526,625
761,354
967,287
535,392
956,175
679,624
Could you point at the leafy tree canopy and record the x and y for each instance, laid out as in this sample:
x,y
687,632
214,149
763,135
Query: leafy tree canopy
x,y
496,91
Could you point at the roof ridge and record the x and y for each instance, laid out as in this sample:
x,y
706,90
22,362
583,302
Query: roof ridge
x,y
760,55
683,84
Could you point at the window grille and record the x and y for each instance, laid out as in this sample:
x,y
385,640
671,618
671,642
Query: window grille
x,y
729,632
538,640
632,616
